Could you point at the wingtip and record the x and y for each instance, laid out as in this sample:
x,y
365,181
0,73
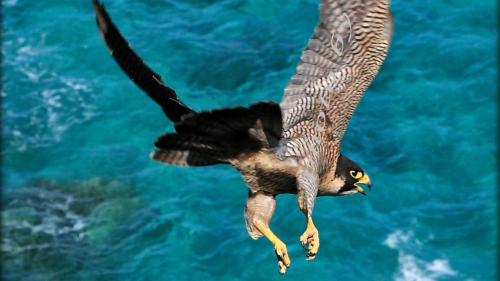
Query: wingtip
x,y
134,67
97,5
101,15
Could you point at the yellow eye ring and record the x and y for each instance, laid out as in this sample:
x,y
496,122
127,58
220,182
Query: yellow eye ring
x,y
355,174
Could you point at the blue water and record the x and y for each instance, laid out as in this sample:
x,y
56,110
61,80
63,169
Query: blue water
x,y
82,200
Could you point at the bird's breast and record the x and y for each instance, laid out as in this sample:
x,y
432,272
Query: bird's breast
x,y
264,172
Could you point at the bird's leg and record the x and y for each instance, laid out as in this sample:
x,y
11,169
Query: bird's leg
x,y
279,246
307,188
310,239
259,210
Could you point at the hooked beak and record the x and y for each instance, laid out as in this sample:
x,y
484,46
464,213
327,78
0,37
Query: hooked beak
x,y
365,180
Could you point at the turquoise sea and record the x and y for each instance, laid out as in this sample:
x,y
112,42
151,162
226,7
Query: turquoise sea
x,y
82,200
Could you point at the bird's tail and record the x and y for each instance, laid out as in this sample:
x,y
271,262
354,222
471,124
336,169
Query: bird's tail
x,y
220,136
204,138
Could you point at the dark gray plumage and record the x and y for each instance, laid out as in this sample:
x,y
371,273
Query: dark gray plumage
x,y
293,147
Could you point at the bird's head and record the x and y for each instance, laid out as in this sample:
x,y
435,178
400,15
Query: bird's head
x,y
349,179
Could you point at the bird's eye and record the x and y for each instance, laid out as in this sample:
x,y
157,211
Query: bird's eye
x,y
356,174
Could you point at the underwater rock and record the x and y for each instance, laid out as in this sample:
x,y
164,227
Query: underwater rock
x,y
25,215
107,215
49,226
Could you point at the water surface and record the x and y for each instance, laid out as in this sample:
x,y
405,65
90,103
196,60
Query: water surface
x,y
82,200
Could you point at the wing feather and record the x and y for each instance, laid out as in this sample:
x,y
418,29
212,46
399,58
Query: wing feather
x,y
143,76
341,59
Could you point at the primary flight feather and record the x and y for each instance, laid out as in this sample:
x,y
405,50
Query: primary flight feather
x,y
293,147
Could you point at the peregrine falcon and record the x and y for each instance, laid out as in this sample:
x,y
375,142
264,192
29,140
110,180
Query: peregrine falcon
x,y
291,147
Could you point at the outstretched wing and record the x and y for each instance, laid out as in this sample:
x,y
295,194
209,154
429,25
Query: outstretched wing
x,y
149,81
341,59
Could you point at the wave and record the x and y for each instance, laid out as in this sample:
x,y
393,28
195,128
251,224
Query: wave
x,y
50,225
42,103
44,214
412,268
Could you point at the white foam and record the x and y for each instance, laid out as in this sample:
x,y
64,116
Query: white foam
x,y
50,223
32,74
62,101
409,270
396,238
412,268
441,267
26,50
76,84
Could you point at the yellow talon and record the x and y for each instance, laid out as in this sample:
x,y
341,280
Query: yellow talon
x,y
310,240
282,255
279,246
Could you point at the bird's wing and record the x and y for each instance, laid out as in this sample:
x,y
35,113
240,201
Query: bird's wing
x,y
339,62
149,81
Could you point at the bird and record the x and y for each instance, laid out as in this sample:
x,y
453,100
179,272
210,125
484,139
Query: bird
x,y
291,147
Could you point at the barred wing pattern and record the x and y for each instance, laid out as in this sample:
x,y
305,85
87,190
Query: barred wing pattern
x,y
340,61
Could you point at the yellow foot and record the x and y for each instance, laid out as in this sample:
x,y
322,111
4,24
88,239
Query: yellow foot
x,y
282,255
310,241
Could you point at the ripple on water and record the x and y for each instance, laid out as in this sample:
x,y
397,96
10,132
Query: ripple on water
x,y
412,268
41,102
53,227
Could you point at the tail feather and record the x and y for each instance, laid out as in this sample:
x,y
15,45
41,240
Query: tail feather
x,y
204,138
183,158
182,141
187,150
